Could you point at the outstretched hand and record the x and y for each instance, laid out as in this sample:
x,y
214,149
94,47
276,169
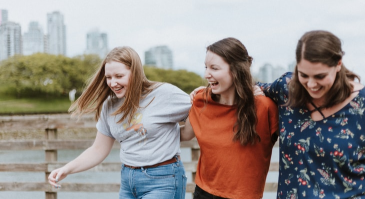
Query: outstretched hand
x,y
193,93
56,176
257,91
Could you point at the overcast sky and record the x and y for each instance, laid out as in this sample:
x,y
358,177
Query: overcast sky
x,y
269,29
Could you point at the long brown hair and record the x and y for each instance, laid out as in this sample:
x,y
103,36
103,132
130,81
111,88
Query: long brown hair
x,y
236,55
321,47
97,90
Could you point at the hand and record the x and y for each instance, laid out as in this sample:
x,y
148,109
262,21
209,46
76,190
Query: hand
x,y
257,91
56,176
193,93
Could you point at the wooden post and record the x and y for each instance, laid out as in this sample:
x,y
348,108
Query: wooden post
x,y
195,153
50,156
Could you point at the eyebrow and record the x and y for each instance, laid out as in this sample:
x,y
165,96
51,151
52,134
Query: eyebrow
x,y
325,73
212,65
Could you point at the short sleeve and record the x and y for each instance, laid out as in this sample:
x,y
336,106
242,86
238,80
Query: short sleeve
x,y
179,104
278,90
102,125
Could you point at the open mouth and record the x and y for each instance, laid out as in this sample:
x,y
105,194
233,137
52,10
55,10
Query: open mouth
x,y
118,89
315,89
214,83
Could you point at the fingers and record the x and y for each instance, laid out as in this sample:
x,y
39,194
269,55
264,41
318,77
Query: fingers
x,y
193,93
55,177
257,91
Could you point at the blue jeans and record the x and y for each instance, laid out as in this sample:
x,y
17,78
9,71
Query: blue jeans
x,y
162,182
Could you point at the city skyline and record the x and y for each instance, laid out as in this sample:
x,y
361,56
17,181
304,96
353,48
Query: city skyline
x,y
10,37
97,43
268,29
159,56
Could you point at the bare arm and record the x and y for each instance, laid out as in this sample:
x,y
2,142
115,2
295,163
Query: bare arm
x,y
86,160
186,131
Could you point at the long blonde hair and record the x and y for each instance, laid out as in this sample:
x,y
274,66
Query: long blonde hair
x,y
97,90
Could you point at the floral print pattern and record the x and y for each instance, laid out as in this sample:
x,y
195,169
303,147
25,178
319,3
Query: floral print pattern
x,y
319,159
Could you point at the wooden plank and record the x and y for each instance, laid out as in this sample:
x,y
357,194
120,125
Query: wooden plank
x,y
31,167
103,167
48,145
274,166
190,187
43,121
68,187
271,187
190,144
64,144
21,145
44,167
68,144
87,187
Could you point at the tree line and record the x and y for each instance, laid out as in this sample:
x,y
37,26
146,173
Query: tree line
x,y
45,75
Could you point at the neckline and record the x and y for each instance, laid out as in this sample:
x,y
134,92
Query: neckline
x,y
319,110
341,109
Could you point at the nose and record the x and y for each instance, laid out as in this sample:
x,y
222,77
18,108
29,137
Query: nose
x,y
311,83
207,74
113,82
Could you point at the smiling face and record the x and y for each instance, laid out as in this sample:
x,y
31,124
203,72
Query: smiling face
x,y
317,78
219,75
117,77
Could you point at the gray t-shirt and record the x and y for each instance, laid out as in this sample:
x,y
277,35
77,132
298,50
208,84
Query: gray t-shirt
x,y
154,133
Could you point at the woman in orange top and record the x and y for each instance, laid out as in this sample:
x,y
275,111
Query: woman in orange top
x,y
235,129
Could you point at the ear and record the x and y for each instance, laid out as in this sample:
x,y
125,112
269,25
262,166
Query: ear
x,y
339,66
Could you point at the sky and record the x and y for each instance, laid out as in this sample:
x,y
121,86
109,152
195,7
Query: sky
x,y
269,29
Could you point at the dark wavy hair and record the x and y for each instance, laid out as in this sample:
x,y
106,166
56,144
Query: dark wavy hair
x,y
321,47
235,54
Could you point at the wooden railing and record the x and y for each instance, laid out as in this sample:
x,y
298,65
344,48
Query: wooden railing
x,y
51,143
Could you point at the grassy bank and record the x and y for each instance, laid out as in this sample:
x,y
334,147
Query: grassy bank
x,y
13,105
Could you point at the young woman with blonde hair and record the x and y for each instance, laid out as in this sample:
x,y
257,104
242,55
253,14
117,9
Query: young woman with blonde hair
x,y
143,117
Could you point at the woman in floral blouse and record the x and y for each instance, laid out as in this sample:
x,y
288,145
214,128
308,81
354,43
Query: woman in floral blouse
x,y
322,121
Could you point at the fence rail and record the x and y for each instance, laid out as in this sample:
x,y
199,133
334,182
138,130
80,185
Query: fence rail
x,y
50,144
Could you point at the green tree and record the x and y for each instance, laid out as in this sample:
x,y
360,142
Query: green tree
x,y
40,75
45,74
185,80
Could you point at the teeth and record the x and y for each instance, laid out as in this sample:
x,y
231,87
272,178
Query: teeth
x,y
314,89
118,89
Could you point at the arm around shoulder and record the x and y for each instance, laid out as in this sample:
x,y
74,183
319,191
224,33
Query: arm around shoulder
x,y
273,116
186,131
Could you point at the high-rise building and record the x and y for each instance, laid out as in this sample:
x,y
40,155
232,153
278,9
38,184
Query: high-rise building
x,y
10,39
159,56
45,43
292,66
268,73
278,72
97,43
265,73
3,16
56,33
33,40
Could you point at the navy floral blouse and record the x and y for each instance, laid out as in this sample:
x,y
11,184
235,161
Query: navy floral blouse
x,y
319,159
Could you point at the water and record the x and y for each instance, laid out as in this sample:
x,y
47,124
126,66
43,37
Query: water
x,y
83,177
